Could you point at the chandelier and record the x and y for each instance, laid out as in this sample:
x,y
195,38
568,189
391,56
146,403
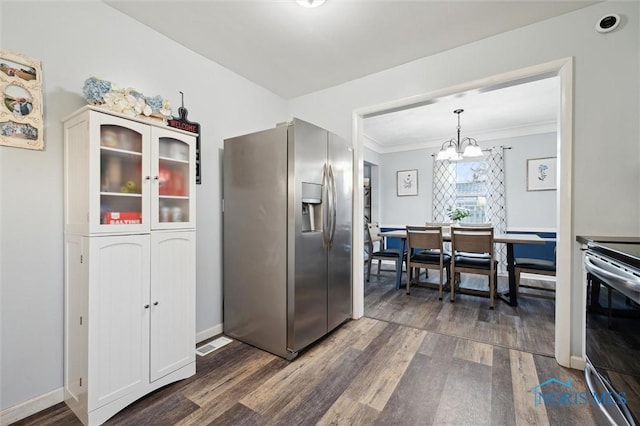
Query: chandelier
x,y
454,150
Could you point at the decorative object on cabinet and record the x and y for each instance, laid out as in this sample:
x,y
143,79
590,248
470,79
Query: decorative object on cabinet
x,y
541,174
127,101
407,182
21,111
190,126
129,260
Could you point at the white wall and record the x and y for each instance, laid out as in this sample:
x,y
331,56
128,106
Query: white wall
x,y
76,40
528,209
534,210
405,210
392,210
606,109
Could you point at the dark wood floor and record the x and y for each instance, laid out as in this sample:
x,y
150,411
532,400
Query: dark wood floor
x,y
529,327
401,364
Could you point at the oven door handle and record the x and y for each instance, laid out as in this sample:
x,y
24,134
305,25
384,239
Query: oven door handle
x,y
606,271
589,372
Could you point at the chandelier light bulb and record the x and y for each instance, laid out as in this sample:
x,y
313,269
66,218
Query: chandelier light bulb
x,y
472,151
451,153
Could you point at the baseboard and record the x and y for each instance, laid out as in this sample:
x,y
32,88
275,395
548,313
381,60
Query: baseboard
x,y
386,264
577,362
203,335
550,278
32,406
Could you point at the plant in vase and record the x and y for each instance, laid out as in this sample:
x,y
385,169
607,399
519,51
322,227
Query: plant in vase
x,y
457,214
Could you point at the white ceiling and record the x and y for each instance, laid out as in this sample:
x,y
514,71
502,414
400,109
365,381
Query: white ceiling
x,y
518,110
293,51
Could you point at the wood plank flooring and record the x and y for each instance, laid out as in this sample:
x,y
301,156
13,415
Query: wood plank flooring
x,y
398,365
529,327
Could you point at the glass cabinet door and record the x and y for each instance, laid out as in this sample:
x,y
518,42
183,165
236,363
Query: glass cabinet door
x,y
173,169
123,184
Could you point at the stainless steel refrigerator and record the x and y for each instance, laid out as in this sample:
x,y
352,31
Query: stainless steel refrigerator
x,y
287,236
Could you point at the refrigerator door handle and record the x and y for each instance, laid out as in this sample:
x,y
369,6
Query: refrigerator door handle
x,y
325,215
334,202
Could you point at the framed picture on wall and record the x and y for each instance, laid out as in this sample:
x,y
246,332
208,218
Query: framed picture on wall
x,y
407,182
541,174
21,110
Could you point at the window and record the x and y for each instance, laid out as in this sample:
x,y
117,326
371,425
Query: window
x,y
471,189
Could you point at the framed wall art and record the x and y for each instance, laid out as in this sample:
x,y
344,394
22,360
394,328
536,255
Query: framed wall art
x,y
407,182
21,112
541,174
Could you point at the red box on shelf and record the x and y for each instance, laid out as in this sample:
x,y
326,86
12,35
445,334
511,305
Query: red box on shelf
x,y
122,218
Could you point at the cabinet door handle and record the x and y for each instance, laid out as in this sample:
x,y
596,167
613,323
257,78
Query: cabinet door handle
x,y
147,178
156,178
146,306
155,303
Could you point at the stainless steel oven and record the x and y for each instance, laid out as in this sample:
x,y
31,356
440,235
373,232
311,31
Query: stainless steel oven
x,y
612,372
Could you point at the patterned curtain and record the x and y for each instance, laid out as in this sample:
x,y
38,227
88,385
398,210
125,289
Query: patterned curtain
x,y
496,205
445,194
444,189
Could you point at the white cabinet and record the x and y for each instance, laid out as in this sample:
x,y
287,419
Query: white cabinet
x,y
129,285
173,266
125,176
117,320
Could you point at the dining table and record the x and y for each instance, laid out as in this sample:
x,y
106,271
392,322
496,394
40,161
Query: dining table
x,y
511,297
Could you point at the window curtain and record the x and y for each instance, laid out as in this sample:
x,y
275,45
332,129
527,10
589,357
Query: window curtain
x,y
444,189
496,204
445,194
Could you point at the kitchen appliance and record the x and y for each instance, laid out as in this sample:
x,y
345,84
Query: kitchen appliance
x,y
287,236
612,370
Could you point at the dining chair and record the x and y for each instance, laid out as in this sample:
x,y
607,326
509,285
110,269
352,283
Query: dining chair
x,y
472,251
446,230
426,251
538,267
383,253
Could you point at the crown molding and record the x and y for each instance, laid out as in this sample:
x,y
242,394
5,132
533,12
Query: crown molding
x,y
513,132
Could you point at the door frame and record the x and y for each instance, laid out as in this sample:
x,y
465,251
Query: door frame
x,y
563,68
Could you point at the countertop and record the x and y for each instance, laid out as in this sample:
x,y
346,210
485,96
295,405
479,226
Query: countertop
x,y
584,239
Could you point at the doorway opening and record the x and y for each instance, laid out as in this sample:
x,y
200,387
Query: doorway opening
x,y
564,70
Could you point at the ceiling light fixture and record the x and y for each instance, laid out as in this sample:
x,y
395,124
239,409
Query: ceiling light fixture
x,y
452,149
310,3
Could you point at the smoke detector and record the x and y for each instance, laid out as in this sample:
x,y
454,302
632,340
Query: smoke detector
x,y
608,23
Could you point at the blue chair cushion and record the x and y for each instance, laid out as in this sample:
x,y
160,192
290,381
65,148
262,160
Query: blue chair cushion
x,y
531,263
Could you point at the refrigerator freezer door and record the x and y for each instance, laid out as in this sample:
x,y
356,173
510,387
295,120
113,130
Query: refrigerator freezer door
x,y
287,236
339,266
255,239
307,286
